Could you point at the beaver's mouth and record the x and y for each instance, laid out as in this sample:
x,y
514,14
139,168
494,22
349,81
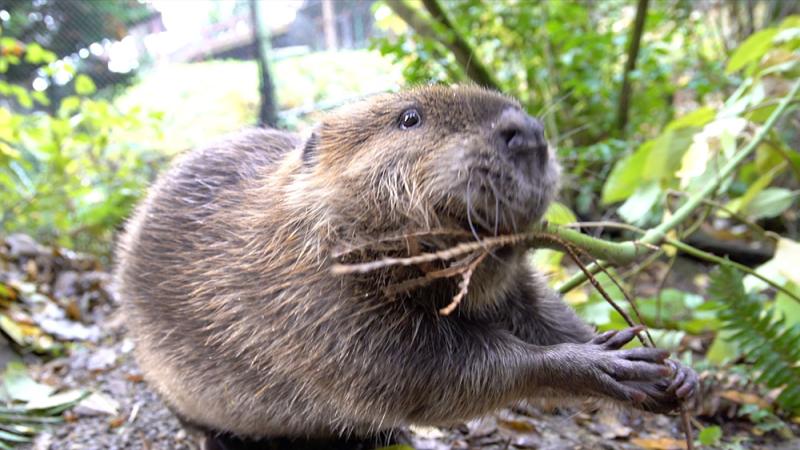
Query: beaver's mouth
x,y
504,201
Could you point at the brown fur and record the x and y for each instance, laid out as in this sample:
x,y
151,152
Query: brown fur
x,y
241,327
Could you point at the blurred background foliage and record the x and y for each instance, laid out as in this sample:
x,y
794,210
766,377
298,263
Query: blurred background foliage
x,y
96,97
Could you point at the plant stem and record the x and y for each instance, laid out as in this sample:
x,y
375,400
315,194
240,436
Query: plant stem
x,y
697,253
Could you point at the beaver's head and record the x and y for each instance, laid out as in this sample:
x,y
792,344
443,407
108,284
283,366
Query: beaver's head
x,y
436,156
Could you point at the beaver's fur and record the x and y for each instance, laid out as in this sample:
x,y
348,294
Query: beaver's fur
x,y
242,328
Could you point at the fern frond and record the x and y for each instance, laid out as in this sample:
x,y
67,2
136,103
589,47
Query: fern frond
x,y
765,340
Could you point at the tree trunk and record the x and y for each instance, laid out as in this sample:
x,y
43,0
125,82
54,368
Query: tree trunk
x,y
267,112
630,64
329,24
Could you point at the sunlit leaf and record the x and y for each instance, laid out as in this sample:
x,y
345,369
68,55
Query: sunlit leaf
x,y
751,49
697,118
626,175
84,85
559,214
710,435
787,306
668,150
783,266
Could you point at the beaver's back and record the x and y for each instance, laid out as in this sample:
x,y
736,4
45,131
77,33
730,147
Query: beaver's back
x,y
170,230
174,232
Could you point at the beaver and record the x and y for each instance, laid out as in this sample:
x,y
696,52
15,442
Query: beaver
x,y
242,328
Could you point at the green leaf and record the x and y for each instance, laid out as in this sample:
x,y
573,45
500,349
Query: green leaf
x,y
560,214
626,175
741,203
35,54
787,306
668,150
84,85
751,49
770,202
40,98
640,203
697,118
710,435
69,105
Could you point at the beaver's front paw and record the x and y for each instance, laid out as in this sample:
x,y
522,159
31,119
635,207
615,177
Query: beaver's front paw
x,y
668,394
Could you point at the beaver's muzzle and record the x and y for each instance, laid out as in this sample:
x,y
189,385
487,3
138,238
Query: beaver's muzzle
x,y
519,136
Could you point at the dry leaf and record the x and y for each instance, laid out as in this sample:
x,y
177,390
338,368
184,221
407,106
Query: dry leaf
x,y
660,443
744,398
519,426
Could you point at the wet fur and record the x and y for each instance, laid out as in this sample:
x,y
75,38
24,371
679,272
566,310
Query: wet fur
x,y
241,327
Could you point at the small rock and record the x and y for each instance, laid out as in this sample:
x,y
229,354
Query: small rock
x,y
69,330
65,285
22,246
102,359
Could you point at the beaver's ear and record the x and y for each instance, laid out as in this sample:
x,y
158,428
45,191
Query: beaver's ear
x,y
309,154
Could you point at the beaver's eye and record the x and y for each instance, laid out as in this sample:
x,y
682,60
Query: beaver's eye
x,y
410,119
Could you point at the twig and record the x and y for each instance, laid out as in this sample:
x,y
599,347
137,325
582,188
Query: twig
x,y
399,237
574,256
418,282
440,255
463,285
687,426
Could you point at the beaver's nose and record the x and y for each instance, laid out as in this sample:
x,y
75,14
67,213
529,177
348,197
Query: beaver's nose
x,y
519,134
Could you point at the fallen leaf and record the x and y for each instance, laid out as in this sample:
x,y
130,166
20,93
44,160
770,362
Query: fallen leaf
x,y
609,426
659,443
426,432
744,398
97,404
57,400
7,292
116,422
520,426
20,386
134,377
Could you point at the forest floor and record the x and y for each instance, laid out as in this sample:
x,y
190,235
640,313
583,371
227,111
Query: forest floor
x,y
61,304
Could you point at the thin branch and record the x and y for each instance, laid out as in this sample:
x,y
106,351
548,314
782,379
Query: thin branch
x,y
599,287
464,285
462,51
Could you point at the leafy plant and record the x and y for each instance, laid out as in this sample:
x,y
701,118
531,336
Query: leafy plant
x,y
72,176
763,338
690,149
